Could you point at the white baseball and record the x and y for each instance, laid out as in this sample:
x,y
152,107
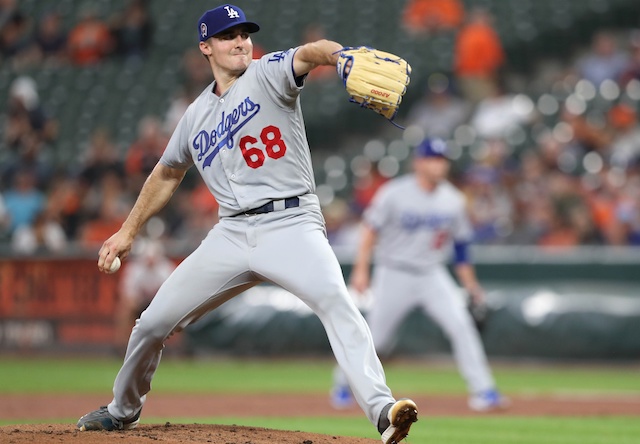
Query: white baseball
x,y
115,265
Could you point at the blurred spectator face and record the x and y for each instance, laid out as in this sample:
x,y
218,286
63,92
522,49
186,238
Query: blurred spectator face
x,y
560,185
50,25
101,147
136,15
532,168
604,45
24,181
7,5
432,169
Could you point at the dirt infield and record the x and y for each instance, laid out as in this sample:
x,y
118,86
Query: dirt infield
x,y
53,407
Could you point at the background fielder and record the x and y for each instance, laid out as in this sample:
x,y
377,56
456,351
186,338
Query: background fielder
x,y
413,221
245,135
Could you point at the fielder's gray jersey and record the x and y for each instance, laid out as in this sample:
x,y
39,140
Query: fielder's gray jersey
x,y
246,149
416,227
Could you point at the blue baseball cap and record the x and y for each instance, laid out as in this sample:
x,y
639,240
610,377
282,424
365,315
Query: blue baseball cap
x,y
219,19
431,148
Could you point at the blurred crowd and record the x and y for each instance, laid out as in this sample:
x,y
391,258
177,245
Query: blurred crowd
x,y
555,165
559,166
32,41
45,207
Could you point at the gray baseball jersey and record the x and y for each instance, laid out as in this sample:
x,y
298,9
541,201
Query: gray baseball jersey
x,y
249,145
416,228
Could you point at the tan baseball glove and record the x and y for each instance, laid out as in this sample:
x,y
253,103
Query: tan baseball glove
x,y
375,79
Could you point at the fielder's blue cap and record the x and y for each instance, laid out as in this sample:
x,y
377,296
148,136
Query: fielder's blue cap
x,y
431,148
219,19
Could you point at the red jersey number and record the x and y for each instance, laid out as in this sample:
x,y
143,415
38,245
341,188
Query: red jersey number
x,y
271,139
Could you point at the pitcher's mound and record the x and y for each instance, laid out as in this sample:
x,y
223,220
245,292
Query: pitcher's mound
x,y
168,434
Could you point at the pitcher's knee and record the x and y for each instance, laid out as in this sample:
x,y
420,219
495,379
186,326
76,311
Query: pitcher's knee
x,y
156,331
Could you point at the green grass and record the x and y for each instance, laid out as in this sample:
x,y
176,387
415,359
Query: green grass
x,y
39,375
308,376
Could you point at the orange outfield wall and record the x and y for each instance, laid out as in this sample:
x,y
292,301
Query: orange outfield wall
x,y
56,301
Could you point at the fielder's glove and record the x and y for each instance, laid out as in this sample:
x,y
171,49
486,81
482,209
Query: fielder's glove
x,y
376,80
479,313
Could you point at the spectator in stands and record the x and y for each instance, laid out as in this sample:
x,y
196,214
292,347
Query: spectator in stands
x,y
101,157
90,41
499,112
145,151
94,229
16,39
104,207
602,199
628,209
23,201
44,235
26,115
5,219
27,132
624,148
109,192
632,70
192,215
65,203
589,135
145,271
8,9
559,232
365,187
51,40
531,205
432,16
478,56
196,74
604,60
567,205
342,226
133,30
179,103
489,205
440,111
32,156
202,198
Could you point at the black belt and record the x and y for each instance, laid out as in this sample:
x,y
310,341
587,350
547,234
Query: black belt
x,y
290,202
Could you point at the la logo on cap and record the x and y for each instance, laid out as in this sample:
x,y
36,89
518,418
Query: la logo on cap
x,y
232,13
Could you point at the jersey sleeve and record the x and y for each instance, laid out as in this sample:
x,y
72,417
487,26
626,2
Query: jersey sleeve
x,y
177,154
275,74
377,213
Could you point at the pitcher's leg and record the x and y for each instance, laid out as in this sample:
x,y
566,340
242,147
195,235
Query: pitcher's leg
x,y
309,269
203,281
447,308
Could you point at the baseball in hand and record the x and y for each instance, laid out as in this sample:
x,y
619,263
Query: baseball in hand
x,y
115,265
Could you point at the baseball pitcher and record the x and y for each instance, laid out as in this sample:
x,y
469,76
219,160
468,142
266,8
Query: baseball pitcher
x,y
245,135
